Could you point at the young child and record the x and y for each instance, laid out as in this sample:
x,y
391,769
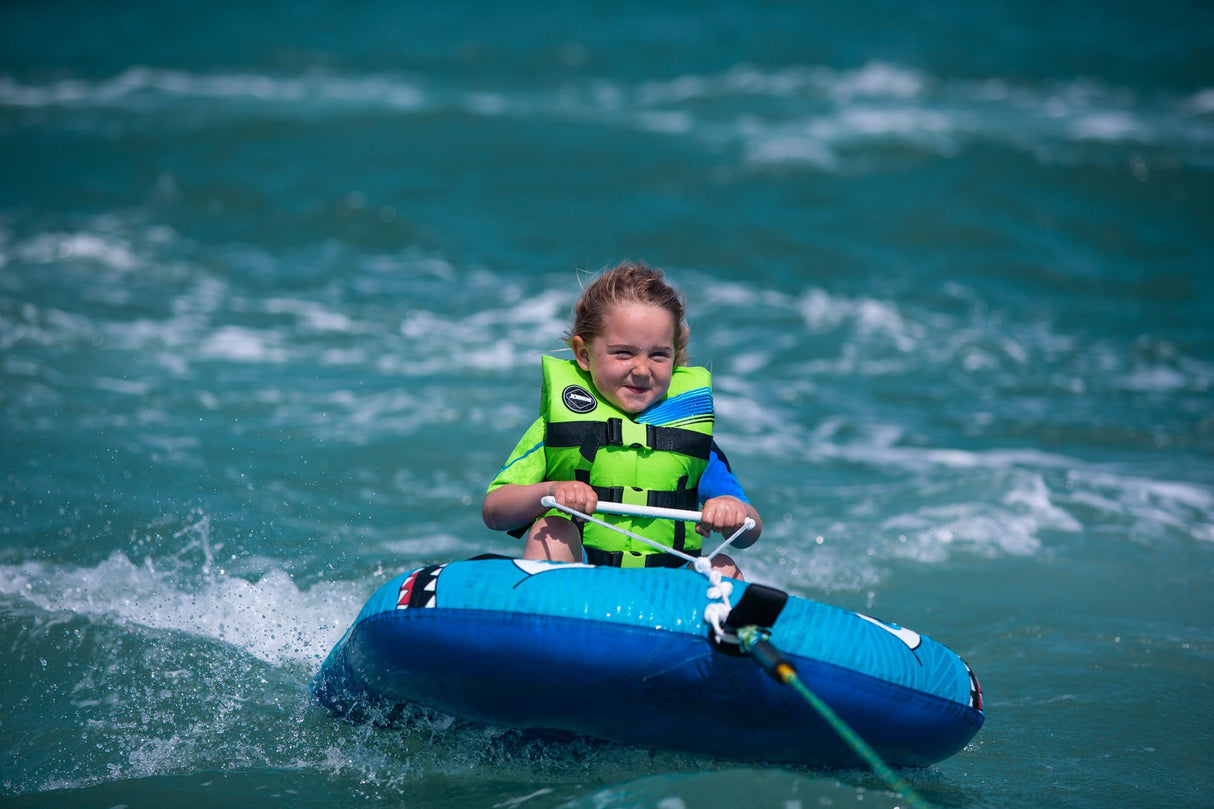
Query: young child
x,y
624,421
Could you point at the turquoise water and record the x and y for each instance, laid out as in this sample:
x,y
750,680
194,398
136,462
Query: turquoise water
x,y
274,282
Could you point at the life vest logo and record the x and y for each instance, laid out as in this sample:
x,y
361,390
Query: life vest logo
x,y
578,399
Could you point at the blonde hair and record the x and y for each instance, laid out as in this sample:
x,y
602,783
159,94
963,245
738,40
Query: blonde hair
x,y
630,282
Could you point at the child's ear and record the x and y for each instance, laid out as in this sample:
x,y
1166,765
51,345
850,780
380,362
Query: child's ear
x,y
581,352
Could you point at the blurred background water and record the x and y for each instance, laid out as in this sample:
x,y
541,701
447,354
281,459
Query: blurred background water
x,y
275,278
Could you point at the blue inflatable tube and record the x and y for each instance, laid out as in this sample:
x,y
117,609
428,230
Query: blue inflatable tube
x,y
624,655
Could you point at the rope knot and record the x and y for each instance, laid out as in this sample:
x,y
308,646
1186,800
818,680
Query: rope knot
x,y
721,589
715,615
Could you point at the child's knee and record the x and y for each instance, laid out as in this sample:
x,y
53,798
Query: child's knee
x,y
727,567
555,539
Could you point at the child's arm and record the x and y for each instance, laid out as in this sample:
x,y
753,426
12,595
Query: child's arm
x,y
515,504
725,514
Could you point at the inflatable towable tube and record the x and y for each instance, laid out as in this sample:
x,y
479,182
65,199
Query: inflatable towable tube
x,y
625,655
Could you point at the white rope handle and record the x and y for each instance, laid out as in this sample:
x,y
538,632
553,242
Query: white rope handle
x,y
548,501
605,507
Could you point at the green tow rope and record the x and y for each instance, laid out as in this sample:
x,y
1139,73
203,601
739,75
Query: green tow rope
x,y
754,642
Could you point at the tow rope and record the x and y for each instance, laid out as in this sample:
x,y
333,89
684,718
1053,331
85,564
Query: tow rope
x,y
755,642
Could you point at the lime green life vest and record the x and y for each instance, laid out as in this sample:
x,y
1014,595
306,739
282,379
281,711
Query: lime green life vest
x,y
654,459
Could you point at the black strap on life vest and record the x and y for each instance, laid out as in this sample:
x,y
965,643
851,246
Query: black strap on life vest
x,y
617,559
589,436
679,497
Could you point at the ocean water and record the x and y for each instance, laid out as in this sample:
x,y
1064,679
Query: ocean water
x,y
275,278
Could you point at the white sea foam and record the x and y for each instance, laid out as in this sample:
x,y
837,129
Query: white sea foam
x,y
812,114
872,80
1013,526
315,316
869,317
877,79
821,140
103,249
1108,125
789,147
136,84
241,344
269,617
365,418
1149,506
1201,102
520,328
741,411
669,122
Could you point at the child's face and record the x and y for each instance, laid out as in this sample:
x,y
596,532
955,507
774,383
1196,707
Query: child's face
x,y
632,359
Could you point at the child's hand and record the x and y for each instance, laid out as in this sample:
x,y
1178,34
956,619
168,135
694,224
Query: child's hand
x,y
575,495
724,515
